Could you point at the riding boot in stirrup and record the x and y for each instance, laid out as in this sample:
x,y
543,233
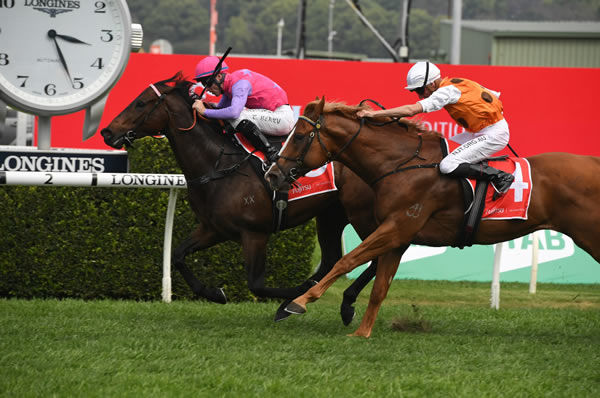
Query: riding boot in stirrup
x,y
252,132
499,179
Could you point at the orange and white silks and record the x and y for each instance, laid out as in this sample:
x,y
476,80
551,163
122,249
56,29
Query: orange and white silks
x,y
476,108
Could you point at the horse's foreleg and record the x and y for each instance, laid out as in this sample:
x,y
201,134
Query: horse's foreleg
x,y
386,269
352,292
330,226
198,240
254,247
379,242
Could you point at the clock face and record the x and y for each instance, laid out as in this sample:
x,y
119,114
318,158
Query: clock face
x,y
57,57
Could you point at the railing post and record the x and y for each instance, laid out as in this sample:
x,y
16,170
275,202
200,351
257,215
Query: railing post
x,y
166,280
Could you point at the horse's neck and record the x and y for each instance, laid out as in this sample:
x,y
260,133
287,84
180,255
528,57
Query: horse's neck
x,y
196,150
383,149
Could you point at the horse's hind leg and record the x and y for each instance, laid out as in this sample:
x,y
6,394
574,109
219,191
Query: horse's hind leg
x,y
352,292
199,239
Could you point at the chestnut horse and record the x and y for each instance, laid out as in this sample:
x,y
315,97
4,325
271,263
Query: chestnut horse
x,y
415,203
229,199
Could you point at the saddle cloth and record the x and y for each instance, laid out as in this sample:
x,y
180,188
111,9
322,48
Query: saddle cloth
x,y
514,203
315,182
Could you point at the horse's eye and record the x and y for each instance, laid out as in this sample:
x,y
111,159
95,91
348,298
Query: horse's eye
x,y
298,137
140,104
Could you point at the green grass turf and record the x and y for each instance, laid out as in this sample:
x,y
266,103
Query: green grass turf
x,y
547,344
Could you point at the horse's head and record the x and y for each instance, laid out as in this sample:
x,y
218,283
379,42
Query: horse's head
x,y
296,157
320,136
148,114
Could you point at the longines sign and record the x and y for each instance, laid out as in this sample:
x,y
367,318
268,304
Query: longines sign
x,y
63,160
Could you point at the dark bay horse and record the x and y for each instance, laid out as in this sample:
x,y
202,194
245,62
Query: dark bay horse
x,y
418,204
220,195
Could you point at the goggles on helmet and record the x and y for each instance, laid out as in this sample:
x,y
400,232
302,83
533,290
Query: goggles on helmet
x,y
421,90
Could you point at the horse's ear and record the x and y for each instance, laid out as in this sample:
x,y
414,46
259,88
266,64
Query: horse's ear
x,y
321,106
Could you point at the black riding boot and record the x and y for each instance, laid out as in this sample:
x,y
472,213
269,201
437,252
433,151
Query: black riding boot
x,y
500,179
257,138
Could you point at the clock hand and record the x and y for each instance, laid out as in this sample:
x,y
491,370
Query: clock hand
x,y
52,35
70,39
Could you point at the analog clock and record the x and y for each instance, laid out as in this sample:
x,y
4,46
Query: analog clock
x,y
60,56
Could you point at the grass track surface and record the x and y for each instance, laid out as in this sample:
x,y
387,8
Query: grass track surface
x,y
546,344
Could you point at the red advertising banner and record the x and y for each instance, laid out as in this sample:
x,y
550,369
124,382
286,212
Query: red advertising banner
x,y
548,109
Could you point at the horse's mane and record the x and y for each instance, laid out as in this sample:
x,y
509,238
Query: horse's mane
x,y
179,83
349,111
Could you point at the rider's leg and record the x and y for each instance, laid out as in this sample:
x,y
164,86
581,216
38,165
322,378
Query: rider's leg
x,y
464,160
251,131
500,179
272,123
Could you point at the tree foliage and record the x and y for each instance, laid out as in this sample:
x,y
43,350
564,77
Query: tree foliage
x,y
250,26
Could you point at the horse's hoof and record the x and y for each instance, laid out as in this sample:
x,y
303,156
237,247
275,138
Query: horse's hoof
x,y
219,296
281,313
347,313
294,308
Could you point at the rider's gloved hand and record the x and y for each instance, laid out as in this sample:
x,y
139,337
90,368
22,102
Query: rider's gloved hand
x,y
195,91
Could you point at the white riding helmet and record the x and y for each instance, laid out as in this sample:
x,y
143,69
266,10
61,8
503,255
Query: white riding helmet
x,y
416,75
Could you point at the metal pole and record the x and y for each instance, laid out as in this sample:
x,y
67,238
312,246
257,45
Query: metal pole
x,y
43,138
331,31
403,50
214,18
456,28
365,21
300,32
280,26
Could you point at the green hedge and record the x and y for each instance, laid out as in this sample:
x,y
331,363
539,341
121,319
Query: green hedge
x,y
107,242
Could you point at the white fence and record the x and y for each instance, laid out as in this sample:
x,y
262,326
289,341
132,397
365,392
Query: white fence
x,y
112,180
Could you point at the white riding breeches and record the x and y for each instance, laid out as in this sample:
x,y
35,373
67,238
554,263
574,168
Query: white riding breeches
x,y
278,122
476,147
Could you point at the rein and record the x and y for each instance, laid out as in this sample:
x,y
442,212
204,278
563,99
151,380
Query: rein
x,y
292,175
216,174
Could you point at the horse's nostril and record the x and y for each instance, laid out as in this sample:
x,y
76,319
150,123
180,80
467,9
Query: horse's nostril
x,y
106,133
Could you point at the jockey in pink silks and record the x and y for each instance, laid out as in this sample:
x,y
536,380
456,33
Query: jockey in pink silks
x,y
252,103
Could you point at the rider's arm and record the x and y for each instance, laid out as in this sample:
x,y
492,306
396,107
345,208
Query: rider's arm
x,y
400,111
239,96
440,98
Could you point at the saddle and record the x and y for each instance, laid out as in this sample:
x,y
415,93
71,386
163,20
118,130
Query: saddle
x,y
474,204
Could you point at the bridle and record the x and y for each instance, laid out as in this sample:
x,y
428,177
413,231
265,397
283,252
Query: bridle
x,y
295,172
131,135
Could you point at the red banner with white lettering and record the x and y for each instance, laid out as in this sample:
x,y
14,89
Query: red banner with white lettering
x,y
547,109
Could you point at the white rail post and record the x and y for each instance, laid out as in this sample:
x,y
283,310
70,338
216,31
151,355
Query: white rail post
x,y
534,263
495,299
166,280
